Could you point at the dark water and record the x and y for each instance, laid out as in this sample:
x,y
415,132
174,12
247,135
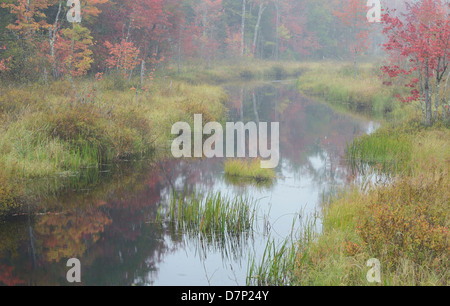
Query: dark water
x,y
107,222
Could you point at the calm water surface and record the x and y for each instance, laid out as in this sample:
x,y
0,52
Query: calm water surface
x,y
107,221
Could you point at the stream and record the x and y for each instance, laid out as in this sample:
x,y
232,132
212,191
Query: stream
x,y
107,221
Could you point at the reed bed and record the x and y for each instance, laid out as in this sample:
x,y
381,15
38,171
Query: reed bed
x,y
212,216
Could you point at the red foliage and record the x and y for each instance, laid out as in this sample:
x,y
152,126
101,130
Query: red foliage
x,y
421,39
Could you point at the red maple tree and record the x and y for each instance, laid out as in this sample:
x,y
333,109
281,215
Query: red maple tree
x,y
422,39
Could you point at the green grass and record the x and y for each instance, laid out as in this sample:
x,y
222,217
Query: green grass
x,y
408,148
246,70
334,82
404,224
248,169
386,149
47,130
212,216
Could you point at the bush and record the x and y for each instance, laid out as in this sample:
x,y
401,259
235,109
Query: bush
x,y
409,221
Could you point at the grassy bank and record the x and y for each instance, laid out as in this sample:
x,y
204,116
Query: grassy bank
x,y
49,130
403,223
241,70
334,83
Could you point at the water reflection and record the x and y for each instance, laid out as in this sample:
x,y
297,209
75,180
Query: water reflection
x,y
108,222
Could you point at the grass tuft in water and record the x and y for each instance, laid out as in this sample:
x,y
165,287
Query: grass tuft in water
x,y
211,216
248,169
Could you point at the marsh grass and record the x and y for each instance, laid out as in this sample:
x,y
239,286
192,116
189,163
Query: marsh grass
x,y
403,223
408,148
334,82
247,70
47,130
388,151
213,216
248,169
279,260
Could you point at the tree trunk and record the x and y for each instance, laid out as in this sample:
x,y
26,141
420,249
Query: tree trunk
x,y
277,26
52,39
244,6
258,23
255,108
428,104
444,104
422,92
436,102
180,40
437,88
142,71
241,111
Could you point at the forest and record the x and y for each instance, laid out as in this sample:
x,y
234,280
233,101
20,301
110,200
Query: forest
x,y
91,89
134,37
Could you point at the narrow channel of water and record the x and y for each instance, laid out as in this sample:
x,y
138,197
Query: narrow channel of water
x,y
109,226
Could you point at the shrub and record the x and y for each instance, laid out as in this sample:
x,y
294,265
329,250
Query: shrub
x,y
408,220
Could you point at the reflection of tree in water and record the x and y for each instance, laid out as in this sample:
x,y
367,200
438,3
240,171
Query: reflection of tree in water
x,y
313,137
109,225
109,228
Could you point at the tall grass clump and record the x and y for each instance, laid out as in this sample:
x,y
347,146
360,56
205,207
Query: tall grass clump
x,y
213,216
248,169
276,267
279,260
408,148
386,149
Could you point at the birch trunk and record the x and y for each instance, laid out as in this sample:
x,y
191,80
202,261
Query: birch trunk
x,y
52,39
428,104
244,7
277,25
258,23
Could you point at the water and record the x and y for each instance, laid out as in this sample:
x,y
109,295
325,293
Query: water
x,y
107,221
